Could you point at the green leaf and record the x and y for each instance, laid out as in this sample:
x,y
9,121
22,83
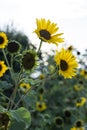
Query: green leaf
x,y
17,125
5,85
2,109
20,116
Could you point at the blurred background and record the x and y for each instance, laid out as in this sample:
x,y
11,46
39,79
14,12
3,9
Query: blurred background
x,y
70,15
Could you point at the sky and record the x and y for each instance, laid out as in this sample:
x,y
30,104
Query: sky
x,y
70,16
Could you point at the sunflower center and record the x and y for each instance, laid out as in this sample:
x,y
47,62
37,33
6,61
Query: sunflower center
x,y
85,72
13,47
1,40
67,113
78,124
40,106
28,61
0,67
63,65
24,86
59,121
79,100
45,34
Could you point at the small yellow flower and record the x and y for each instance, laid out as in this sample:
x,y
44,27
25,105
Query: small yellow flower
x,y
41,76
78,125
81,102
84,73
66,62
25,87
3,68
3,40
78,87
46,31
41,106
75,128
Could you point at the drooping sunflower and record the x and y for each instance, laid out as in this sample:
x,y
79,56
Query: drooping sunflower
x,y
3,40
66,62
29,60
13,47
3,68
46,31
4,120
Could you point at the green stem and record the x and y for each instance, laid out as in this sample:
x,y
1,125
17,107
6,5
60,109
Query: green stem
x,y
22,97
39,46
7,63
14,91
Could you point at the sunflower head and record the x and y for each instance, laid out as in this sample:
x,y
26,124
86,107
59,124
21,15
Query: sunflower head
x,y
67,113
41,106
66,62
29,60
46,31
80,102
75,128
83,72
41,76
13,47
3,68
59,122
79,123
78,87
41,90
25,87
3,40
4,119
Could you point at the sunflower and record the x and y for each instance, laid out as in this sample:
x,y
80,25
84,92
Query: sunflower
x,y
83,72
66,62
4,120
78,125
13,47
78,87
41,106
3,68
46,31
29,60
25,87
75,128
80,102
59,121
67,113
3,40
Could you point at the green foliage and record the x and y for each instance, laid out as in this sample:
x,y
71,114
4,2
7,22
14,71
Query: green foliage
x,y
57,97
20,119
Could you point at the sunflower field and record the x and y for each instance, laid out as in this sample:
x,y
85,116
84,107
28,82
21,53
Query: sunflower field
x,y
38,90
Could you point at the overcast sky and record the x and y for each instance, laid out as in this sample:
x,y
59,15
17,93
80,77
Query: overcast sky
x,y
70,15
